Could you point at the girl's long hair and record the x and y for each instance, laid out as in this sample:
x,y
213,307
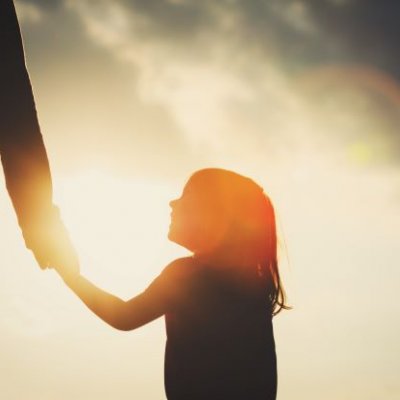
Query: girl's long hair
x,y
268,267
248,228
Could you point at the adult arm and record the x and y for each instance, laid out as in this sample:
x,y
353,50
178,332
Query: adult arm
x,y
23,154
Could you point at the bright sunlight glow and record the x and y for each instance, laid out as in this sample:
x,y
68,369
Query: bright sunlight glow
x,y
119,227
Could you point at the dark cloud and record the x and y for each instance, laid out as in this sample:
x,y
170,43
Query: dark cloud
x,y
297,37
301,32
175,20
365,31
44,4
88,101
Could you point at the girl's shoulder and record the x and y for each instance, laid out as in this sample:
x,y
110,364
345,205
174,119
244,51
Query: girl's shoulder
x,y
180,267
182,262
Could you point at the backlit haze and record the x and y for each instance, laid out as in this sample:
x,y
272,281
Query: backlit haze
x,y
134,96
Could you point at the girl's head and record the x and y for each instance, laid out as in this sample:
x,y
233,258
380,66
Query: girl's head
x,y
228,219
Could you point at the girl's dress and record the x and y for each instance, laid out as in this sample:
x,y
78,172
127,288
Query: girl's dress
x,y
220,343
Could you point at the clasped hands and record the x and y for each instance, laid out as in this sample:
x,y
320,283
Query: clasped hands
x,y
49,241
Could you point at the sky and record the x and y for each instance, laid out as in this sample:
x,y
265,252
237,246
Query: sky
x,y
133,96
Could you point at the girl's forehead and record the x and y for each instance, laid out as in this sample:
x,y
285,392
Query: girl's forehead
x,y
202,184
193,187
221,181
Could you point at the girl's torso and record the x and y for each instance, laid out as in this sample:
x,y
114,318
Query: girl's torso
x,y
220,342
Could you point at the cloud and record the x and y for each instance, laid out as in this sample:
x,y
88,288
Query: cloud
x,y
229,73
42,4
215,81
364,32
88,105
183,57
28,12
191,27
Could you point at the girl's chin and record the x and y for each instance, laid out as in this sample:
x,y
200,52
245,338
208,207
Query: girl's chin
x,y
170,236
173,236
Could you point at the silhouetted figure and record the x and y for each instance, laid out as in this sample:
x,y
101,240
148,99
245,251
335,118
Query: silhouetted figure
x,y
218,303
23,153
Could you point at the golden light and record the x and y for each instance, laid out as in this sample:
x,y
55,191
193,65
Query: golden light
x,y
119,227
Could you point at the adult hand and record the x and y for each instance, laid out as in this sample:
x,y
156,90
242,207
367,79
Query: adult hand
x,y
50,243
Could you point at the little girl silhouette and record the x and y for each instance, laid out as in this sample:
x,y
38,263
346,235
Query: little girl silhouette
x,y
219,303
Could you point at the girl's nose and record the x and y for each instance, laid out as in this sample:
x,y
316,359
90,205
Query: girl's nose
x,y
172,203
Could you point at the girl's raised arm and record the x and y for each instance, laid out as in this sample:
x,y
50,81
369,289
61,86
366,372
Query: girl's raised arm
x,y
123,315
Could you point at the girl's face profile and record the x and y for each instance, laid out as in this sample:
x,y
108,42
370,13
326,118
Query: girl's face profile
x,y
194,218
186,219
